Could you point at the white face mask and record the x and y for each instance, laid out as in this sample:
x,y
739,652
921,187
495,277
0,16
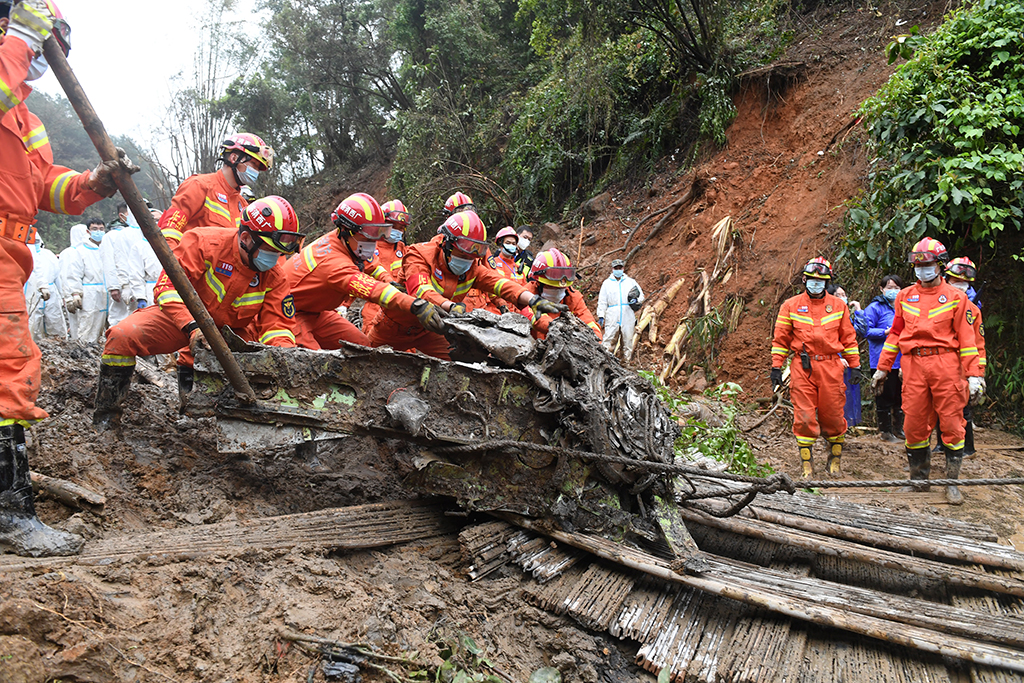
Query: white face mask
x,y
962,285
926,273
523,243
365,250
815,287
553,294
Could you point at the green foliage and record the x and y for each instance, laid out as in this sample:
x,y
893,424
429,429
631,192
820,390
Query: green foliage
x,y
464,661
947,132
724,443
1004,379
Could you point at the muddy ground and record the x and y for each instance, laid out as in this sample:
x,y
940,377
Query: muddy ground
x,y
217,618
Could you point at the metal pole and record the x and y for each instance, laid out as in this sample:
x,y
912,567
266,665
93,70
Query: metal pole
x,y
98,134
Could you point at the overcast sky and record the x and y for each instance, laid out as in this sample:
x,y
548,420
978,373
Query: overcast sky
x,y
125,52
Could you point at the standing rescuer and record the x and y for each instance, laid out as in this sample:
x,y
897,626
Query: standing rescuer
x,y
29,181
960,273
215,199
332,269
442,271
239,279
937,341
816,328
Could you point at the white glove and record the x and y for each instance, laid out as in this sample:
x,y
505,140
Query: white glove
x,y
44,293
976,386
878,381
32,21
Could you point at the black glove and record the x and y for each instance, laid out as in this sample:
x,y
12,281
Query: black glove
x,y
399,286
429,315
539,305
633,294
634,305
855,376
776,375
457,309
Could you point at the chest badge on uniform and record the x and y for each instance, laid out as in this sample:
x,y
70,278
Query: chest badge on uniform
x,y
255,282
913,298
801,309
438,273
828,308
942,298
398,253
225,269
288,306
222,198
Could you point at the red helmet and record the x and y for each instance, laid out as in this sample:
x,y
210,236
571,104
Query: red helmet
x,y
507,231
962,268
360,213
465,232
272,223
928,250
396,213
251,146
552,268
458,202
819,267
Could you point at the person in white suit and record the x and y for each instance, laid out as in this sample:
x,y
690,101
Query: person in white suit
x,y
43,295
617,304
114,251
87,291
78,235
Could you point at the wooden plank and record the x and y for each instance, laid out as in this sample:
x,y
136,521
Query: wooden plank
x,y
360,526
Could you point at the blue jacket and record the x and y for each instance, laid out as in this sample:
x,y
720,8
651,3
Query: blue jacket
x,y
871,323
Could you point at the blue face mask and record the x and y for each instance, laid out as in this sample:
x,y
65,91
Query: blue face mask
x,y
890,294
265,260
617,274
460,266
395,236
249,175
510,249
815,287
96,236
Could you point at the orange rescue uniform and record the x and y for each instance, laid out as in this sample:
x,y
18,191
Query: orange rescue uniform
x,y
234,294
823,329
29,181
974,320
577,306
939,351
204,200
389,257
427,277
508,268
325,274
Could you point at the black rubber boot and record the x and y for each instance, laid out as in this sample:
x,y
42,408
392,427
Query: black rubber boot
x,y
111,390
954,458
885,426
20,530
897,424
920,460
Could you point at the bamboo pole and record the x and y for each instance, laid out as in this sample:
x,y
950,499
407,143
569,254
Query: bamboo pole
x,y
71,494
888,559
649,314
927,547
98,134
916,637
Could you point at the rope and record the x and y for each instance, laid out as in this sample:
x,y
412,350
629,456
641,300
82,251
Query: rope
x,y
772,484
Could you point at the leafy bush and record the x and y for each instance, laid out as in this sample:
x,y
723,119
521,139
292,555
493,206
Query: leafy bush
x,y
946,129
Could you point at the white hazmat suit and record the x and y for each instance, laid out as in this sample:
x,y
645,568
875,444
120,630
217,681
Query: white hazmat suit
x,y
143,266
79,234
43,295
114,252
86,279
619,318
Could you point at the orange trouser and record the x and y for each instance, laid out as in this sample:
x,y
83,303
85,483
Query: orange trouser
x,y
147,332
818,399
19,355
933,389
384,331
326,330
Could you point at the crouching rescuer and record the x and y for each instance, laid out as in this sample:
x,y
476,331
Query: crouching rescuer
x,y
816,328
442,271
940,365
239,279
